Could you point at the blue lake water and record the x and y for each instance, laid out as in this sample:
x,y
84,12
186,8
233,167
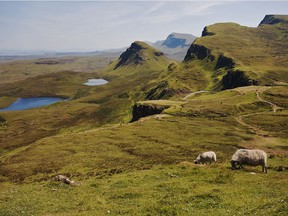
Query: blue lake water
x,y
28,103
96,82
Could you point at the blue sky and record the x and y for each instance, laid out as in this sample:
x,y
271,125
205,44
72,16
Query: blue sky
x,y
96,25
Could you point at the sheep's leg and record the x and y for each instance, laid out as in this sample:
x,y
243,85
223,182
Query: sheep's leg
x,y
264,169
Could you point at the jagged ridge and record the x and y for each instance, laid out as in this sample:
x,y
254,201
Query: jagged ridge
x,y
240,56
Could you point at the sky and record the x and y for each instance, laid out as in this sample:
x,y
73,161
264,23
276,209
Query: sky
x,y
99,25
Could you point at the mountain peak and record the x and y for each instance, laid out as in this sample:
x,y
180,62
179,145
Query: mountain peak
x,y
274,19
178,40
136,54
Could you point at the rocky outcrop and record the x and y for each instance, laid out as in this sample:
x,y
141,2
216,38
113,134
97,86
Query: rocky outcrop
x,y
131,56
197,52
137,54
234,79
142,110
274,19
224,62
205,32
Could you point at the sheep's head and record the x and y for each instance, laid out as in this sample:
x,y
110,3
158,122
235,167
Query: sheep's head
x,y
234,164
196,161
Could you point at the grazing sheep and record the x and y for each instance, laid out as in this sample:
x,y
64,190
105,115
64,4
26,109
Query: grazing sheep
x,y
249,157
206,157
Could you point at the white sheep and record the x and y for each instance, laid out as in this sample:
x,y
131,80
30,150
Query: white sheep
x,y
253,157
206,157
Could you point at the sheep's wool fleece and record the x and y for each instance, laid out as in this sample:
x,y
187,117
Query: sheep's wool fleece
x,y
250,156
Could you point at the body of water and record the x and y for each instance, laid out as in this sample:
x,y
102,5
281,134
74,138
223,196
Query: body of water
x,y
28,103
95,82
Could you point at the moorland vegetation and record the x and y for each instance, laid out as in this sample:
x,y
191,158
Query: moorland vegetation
x,y
130,144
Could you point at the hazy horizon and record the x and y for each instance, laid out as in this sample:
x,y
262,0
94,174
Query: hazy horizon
x,y
100,25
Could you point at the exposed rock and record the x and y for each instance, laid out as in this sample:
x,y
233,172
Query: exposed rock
x,y
143,110
224,62
197,52
205,32
131,56
234,79
158,54
274,19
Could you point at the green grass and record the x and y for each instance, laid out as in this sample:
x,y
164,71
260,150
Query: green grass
x,y
259,52
145,167
23,69
181,189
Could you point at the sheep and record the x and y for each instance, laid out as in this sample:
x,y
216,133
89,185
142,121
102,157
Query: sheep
x,y
253,157
206,157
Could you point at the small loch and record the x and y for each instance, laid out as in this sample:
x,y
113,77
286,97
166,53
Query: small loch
x,y
28,103
95,82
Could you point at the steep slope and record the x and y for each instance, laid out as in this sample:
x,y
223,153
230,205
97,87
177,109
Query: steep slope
x,y
175,46
140,56
239,56
149,71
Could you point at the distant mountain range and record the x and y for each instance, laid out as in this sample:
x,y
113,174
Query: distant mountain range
x,y
9,55
175,46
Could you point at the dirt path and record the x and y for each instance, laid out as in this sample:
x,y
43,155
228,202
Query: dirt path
x,y
253,129
193,93
274,106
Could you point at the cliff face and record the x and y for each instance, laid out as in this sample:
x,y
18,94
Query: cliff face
x,y
224,62
205,32
236,55
137,54
274,19
234,79
131,56
200,52
197,52
143,110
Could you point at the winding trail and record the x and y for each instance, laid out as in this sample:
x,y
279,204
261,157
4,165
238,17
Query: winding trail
x,y
252,128
194,93
274,106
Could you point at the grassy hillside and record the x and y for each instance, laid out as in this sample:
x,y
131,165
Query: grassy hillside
x,y
23,69
88,107
150,163
246,55
145,167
